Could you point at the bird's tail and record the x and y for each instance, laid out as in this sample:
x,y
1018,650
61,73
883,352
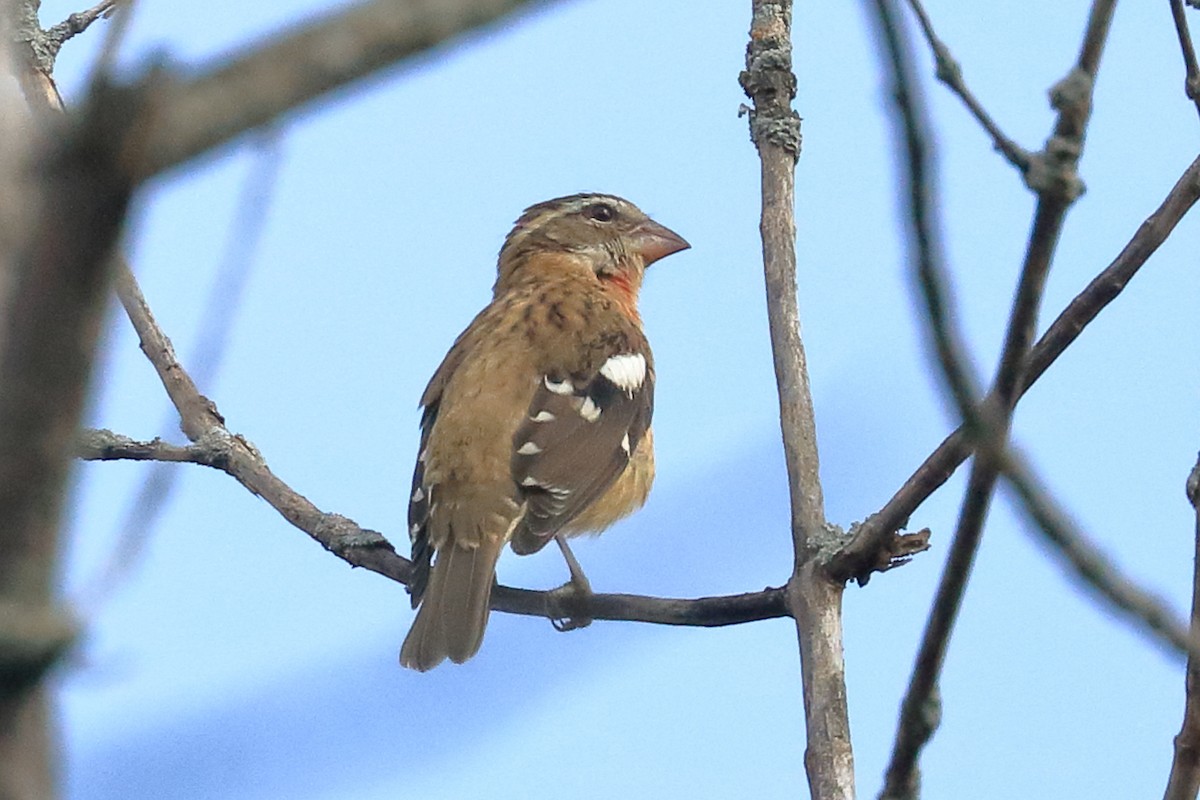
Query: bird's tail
x,y
454,610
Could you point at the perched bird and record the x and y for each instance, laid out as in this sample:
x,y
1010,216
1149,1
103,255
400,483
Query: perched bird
x,y
537,423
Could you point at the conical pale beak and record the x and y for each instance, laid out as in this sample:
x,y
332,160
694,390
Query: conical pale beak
x,y
654,241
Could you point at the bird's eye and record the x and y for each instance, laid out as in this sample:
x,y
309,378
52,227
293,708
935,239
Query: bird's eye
x,y
601,212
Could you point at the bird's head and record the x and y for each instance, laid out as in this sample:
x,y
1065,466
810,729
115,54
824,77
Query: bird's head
x,y
606,234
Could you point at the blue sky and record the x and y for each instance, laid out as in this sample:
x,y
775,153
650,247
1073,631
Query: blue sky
x,y
238,659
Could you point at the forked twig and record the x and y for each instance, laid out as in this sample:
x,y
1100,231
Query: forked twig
x,y
949,72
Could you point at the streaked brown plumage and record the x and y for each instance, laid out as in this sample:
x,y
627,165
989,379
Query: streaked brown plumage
x,y
537,422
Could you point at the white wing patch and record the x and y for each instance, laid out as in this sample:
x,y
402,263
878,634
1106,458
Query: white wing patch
x,y
589,410
627,371
560,387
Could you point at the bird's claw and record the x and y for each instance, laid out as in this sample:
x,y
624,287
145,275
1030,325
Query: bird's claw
x,y
563,598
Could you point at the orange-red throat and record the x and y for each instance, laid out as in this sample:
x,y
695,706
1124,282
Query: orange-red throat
x,y
623,288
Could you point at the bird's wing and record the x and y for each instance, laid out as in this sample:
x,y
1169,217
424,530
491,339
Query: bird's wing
x,y
418,512
576,441
420,503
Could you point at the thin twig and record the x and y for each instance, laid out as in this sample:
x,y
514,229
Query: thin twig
x,y
224,298
1191,83
859,555
104,445
77,23
814,598
1057,188
110,46
949,72
1184,781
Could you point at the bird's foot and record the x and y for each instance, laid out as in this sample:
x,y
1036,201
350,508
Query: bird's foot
x,y
579,588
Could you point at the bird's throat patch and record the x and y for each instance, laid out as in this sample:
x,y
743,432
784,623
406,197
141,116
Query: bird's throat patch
x,y
622,290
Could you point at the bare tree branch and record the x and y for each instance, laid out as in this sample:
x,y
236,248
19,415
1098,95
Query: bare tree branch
x,y
355,545
921,714
104,445
76,24
814,597
1057,186
1191,84
224,298
1184,781
298,66
922,213
949,72
1094,569
51,309
858,557
214,446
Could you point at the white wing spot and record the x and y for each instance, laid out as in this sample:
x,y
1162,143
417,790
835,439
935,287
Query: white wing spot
x,y
413,530
625,444
627,371
557,492
423,455
543,416
528,449
559,387
589,410
418,495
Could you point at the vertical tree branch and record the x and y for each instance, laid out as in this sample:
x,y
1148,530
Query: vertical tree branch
x,y
50,316
1184,781
814,598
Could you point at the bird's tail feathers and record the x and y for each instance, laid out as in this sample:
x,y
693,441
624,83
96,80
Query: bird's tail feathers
x,y
454,610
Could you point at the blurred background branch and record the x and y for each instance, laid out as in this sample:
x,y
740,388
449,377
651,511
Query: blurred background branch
x,y
1184,780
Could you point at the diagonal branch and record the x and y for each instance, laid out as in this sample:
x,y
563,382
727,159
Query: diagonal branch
x,y
205,110
857,558
1090,565
949,72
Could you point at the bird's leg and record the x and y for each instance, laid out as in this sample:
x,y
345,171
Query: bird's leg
x,y
578,586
